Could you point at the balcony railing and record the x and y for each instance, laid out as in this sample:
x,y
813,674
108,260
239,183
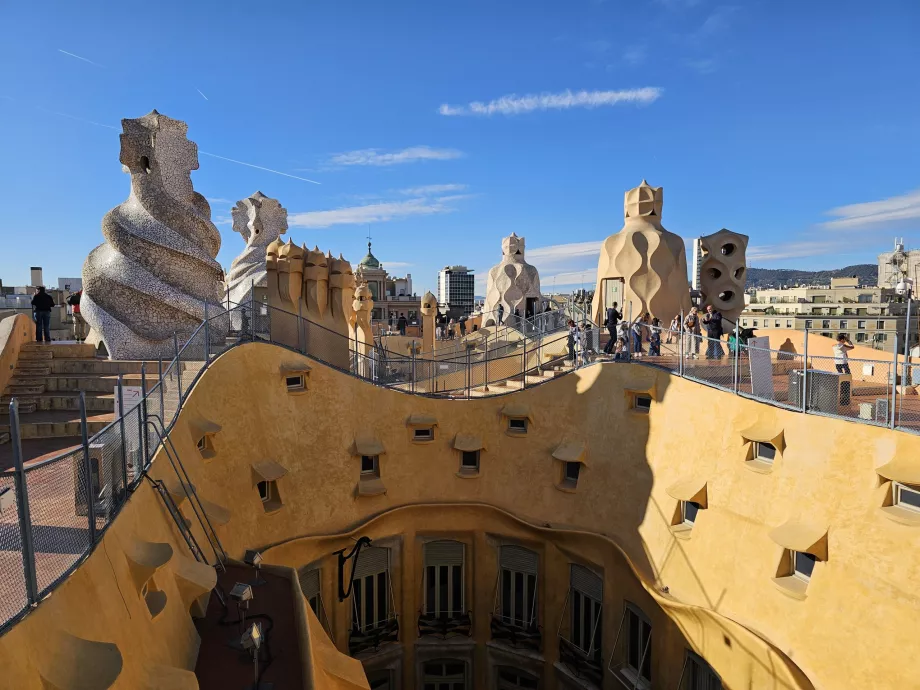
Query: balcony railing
x,y
520,637
373,637
452,624
581,663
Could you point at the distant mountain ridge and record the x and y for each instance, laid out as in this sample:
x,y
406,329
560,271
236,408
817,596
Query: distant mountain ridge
x,y
778,277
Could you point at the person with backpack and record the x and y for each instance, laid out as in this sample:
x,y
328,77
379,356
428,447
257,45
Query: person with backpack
x,y
613,316
42,303
79,323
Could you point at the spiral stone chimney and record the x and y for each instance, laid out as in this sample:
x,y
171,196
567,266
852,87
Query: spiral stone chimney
x,y
156,270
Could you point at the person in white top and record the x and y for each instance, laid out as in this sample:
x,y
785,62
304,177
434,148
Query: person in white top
x,y
841,358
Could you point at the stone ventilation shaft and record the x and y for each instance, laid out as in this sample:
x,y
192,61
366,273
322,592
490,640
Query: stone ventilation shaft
x,y
311,295
156,270
513,283
647,261
261,221
723,272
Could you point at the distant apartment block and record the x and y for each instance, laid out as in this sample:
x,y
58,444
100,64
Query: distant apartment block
x,y
871,316
456,291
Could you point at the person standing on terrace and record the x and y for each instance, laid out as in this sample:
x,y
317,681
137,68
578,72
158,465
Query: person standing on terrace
x,y
841,356
713,322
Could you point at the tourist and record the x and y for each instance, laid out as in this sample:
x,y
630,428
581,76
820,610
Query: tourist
x,y
841,358
401,323
79,324
654,339
674,329
619,350
450,329
501,314
623,332
638,328
439,327
611,323
713,322
462,326
692,334
573,340
42,303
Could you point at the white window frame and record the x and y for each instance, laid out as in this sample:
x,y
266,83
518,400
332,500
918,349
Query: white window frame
x,y
794,559
843,324
449,585
860,324
295,382
445,680
528,583
359,617
880,325
761,458
897,489
423,434
788,323
809,323
691,520
266,496
586,605
517,420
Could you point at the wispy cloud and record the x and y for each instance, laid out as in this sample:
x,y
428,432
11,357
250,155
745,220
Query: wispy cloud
x,y
558,253
378,157
80,57
718,21
218,200
396,264
874,213
202,95
597,47
258,167
376,213
515,105
429,189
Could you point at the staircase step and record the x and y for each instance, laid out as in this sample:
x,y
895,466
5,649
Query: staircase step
x,y
103,367
57,424
90,383
24,389
31,370
26,405
95,402
32,355
62,350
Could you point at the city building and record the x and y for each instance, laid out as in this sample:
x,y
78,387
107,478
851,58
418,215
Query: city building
x,y
697,262
870,315
393,296
894,265
456,291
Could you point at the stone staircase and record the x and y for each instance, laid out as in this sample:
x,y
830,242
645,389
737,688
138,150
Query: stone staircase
x,y
47,382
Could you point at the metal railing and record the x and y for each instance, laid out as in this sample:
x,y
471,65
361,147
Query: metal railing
x,y
54,511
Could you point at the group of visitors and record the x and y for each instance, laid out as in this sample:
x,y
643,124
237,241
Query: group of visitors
x,y
43,303
627,338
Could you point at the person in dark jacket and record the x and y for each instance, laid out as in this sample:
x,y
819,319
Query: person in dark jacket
x,y
712,321
42,303
501,314
613,316
401,324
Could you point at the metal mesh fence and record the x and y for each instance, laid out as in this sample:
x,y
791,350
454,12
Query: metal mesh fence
x,y
713,366
769,375
849,388
13,597
908,401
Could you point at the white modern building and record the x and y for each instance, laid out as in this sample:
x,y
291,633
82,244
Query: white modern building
x,y
456,291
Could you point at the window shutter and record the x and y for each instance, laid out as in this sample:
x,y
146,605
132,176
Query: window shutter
x,y
520,559
587,583
372,560
309,582
443,553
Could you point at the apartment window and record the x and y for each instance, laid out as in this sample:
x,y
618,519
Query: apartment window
x,y
444,674
788,323
469,461
743,323
642,403
802,564
862,337
864,298
844,324
688,511
309,583
444,579
294,383
371,593
755,323
423,434
513,679
638,668
764,451
809,323
776,323
906,496
825,323
370,465
517,425
587,596
698,675
881,337
860,324
265,491
880,325
518,586
570,472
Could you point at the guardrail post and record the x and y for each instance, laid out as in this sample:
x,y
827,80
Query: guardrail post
x,y
22,504
88,469
143,414
485,380
178,369
680,345
469,374
121,428
736,369
524,365
207,336
804,388
413,365
893,375
162,392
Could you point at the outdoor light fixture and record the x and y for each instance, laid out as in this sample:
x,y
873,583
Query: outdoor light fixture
x,y
252,641
242,595
254,559
343,593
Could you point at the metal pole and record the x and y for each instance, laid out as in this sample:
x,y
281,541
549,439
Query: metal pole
x,y
904,376
22,503
413,365
680,345
894,389
88,469
629,335
162,393
524,365
143,413
301,340
207,335
804,389
178,369
485,387
469,375
121,428
736,370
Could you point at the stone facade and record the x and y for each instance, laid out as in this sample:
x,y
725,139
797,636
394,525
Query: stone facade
x,y
513,283
156,270
260,220
647,262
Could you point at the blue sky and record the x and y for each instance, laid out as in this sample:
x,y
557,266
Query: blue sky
x,y
440,127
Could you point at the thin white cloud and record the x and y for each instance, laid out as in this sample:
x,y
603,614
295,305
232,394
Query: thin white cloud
x,y
218,200
396,264
515,105
874,213
202,95
257,167
429,189
375,213
378,157
80,57
703,65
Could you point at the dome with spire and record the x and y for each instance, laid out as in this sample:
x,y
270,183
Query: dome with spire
x,y
369,261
